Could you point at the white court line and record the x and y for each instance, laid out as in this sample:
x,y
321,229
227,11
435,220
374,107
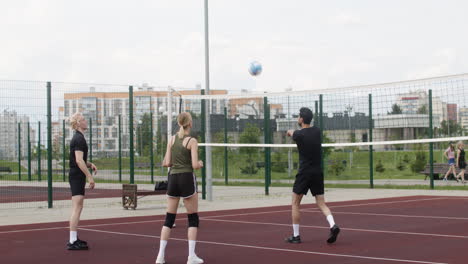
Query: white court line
x,y
273,249
336,206
350,229
66,227
392,215
215,216
391,202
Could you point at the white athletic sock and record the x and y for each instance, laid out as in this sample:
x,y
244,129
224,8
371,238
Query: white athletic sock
x,y
296,229
330,220
73,236
191,247
162,248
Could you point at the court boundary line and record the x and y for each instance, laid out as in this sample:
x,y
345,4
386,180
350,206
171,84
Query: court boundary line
x,y
336,206
391,215
216,216
272,248
342,228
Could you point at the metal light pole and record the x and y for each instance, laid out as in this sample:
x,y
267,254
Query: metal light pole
x,y
288,117
169,113
209,187
140,150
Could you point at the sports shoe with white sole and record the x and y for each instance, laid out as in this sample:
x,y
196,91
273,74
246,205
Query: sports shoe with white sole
x,y
194,260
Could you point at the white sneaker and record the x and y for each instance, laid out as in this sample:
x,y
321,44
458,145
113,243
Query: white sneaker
x,y
160,260
194,260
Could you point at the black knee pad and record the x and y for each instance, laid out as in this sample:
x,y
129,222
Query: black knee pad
x,y
193,220
170,219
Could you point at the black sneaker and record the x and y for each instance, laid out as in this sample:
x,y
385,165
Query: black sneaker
x,y
82,242
334,231
293,239
76,246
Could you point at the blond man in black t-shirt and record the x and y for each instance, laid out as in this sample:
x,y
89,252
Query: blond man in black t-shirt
x,y
79,173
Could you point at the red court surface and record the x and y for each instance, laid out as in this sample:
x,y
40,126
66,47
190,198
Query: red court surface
x,y
415,229
16,194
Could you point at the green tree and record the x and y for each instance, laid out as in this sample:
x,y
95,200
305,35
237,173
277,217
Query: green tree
x,y
379,167
278,163
336,167
400,165
450,128
251,134
406,159
35,152
420,162
326,151
143,134
57,151
396,110
423,110
219,138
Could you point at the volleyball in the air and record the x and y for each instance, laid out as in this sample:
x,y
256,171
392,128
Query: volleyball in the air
x,y
255,68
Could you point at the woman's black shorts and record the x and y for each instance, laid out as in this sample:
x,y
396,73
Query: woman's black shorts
x,y
182,185
77,181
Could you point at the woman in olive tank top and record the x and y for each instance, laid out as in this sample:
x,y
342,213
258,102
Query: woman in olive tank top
x,y
461,162
182,157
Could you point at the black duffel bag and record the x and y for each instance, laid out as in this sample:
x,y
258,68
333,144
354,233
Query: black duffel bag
x,y
160,185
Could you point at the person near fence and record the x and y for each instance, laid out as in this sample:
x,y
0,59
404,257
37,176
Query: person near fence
x,y
449,154
79,172
182,158
461,162
310,174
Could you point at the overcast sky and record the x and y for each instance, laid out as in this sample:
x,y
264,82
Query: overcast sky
x,y
303,44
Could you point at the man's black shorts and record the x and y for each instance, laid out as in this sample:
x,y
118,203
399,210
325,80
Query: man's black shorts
x,y
77,181
306,181
182,185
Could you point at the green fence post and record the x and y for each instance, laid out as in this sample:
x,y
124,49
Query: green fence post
x,y
203,149
151,148
316,114
39,176
371,149
269,142
90,139
321,129
132,151
226,178
431,145
19,151
120,148
265,140
29,152
49,144
63,150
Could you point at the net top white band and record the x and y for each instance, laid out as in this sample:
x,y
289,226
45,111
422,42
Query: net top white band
x,y
355,144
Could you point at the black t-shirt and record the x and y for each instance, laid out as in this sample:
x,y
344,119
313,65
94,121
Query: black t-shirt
x,y
309,144
78,143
